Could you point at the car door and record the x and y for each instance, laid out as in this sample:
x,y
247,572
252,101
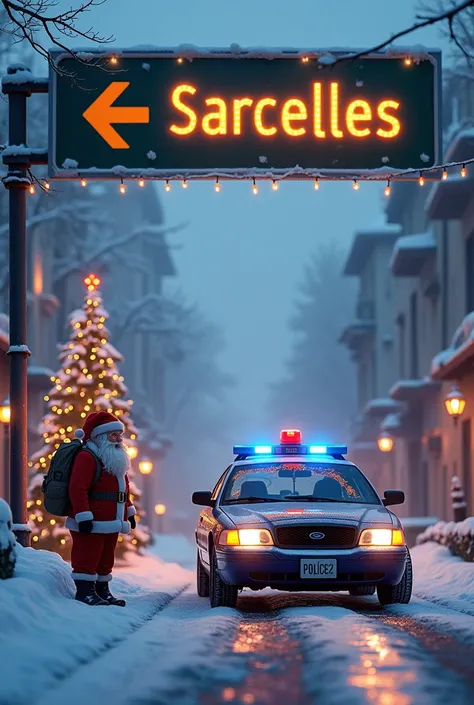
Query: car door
x,y
207,522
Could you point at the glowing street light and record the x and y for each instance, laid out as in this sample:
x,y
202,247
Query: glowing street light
x,y
5,412
145,467
385,443
160,509
5,418
455,403
132,452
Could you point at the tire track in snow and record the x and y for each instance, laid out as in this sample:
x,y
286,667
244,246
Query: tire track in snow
x,y
271,659
348,656
449,651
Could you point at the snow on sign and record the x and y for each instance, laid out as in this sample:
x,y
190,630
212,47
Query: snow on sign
x,y
183,112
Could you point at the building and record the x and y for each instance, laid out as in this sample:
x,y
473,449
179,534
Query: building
x,y
430,322
370,340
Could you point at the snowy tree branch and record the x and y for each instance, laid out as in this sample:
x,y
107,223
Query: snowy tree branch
x,y
422,21
95,255
26,17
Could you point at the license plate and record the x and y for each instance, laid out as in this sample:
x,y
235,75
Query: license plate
x,y
318,569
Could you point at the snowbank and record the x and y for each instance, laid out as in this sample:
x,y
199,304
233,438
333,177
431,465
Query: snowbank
x,y
45,634
443,578
458,537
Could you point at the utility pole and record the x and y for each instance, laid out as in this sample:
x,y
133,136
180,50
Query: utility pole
x,y
18,85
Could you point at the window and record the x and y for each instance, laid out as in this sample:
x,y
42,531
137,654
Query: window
x,y
309,481
413,336
469,273
444,285
401,346
220,481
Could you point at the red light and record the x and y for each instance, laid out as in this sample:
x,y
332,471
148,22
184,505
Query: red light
x,y
290,435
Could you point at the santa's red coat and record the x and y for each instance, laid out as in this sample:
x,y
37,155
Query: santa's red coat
x,y
108,515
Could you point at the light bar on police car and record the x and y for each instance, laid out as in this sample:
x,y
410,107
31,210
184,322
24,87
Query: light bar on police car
x,y
287,448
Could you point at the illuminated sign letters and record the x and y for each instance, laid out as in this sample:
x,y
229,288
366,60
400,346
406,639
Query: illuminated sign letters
x,y
214,114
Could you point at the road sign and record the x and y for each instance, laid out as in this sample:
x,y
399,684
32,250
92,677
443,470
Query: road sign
x,y
208,113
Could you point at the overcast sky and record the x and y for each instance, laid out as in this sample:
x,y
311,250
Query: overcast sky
x,y
243,255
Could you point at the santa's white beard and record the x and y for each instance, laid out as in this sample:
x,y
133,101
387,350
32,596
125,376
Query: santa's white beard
x,y
113,455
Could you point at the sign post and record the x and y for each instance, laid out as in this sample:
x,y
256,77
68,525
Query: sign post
x,y
18,85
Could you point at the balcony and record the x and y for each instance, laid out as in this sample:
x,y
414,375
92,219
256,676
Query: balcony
x,y
354,335
410,254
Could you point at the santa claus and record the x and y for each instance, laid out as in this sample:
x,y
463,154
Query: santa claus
x,y
99,513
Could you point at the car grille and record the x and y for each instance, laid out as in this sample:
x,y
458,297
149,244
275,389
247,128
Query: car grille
x,y
296,578
299,536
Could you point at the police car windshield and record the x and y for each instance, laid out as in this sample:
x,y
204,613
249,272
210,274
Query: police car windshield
x,y
307,481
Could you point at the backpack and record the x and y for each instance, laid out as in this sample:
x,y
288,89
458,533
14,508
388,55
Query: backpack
x,y
55,485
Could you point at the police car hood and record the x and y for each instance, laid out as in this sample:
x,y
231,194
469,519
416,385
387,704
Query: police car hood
x,y
277,513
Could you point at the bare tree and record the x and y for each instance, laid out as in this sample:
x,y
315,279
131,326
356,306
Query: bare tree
x,y
448,14
27,20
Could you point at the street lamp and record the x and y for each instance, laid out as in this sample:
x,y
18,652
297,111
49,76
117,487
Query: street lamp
x,y
455,403
5,416
132,452
160,511
385,443
146,468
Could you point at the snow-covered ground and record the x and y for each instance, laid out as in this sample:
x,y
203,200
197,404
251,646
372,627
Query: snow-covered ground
x,y
168,645
443,578
44,633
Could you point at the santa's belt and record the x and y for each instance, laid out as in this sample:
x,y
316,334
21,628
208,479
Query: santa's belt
x,y
120,497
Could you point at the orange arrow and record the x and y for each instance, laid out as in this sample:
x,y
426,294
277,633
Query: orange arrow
x,y
101,114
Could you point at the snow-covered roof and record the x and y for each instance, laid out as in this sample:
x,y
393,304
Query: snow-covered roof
x,y
363,244
412,390
450,197
447,363
410,253
461,145
391,422
381,406
355,332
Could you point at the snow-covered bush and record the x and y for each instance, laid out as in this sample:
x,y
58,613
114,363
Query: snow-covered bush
x,y
7,542
458,537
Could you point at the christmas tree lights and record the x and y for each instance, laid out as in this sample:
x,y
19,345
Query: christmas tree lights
x,y
89,380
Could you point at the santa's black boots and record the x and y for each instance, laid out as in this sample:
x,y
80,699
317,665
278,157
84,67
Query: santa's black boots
x,y
86,592
104,593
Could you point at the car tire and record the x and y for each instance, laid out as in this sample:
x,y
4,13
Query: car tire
x,y
399,594
220,594
361,590
202,579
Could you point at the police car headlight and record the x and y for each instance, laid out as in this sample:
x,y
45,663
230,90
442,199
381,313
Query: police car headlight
x,y
246,537
382,537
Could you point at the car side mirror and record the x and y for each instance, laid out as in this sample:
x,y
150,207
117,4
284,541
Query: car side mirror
x,y
392,497
203,499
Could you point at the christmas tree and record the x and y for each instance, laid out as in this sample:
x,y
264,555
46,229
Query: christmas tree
x,y
88,381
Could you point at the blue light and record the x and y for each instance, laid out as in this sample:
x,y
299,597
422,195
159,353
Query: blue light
x,y
266,450
318,450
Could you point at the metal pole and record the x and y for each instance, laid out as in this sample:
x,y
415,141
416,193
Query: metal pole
x,y
17,182
6,460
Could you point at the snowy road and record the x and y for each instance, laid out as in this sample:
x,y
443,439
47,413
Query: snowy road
x,y
283,649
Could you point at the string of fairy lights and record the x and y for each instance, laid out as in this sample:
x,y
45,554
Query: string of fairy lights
x,y
275,183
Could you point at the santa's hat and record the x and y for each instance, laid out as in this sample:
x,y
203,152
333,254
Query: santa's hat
x,y
97,423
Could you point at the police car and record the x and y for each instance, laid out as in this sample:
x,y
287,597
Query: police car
x,y
299,517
